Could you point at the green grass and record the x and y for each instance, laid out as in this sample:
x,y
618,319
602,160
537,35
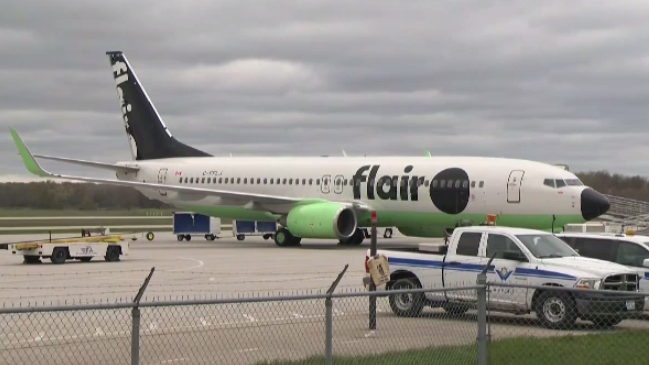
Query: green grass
x,y
628,348
77,212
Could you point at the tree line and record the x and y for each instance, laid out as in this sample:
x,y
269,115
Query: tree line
x,y
88,196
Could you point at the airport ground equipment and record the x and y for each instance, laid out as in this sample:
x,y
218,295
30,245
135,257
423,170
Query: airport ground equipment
x,y
241,229
188,224
72,248
387,232
522,257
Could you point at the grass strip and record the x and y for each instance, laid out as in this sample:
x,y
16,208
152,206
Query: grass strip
x,y
623,348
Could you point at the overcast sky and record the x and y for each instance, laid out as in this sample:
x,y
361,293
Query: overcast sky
x,y
556,81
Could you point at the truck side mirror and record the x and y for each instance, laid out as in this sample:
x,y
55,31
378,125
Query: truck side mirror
x,y
645,262
514,255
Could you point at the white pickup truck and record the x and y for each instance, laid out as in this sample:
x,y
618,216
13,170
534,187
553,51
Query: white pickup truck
x,y
525,257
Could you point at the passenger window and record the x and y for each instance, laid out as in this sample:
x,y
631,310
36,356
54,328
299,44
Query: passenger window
x,y
465,184
317,182
426,183
596,248
500,243
303,181
434,183
252,180
226,180
191,181
238,180
442,184
181,180
290,181
284,181
473,184
630,254
265,181
457,183
220,180
245,180
258,180
549,182
469,244
481,184
203,181
560,183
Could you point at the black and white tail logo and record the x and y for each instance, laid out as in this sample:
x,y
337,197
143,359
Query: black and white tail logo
x,y
120,71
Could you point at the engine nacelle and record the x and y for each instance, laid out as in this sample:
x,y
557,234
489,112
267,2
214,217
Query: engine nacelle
x,y
322,220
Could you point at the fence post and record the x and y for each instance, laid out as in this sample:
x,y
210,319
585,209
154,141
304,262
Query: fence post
x,y
135,316
329,332
482,312
372,285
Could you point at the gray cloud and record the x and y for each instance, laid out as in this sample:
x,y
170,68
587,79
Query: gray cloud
x,y
549,81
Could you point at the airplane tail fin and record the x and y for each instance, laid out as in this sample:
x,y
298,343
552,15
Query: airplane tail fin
x,y
148,136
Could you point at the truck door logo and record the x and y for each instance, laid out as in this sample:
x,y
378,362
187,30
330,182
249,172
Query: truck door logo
x,y
503,273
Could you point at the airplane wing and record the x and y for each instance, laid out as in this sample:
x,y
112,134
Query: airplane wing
x,y
101,165
34,167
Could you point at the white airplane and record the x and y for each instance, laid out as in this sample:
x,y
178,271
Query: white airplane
x,y
332,197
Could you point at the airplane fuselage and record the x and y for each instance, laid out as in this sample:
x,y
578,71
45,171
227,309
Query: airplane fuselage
x,y
419,195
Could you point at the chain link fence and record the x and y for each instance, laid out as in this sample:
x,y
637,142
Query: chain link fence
x,y
479,324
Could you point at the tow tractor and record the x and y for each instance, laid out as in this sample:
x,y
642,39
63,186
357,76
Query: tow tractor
x,y
111,247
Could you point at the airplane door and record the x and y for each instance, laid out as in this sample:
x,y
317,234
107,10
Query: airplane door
x,y
162,179
325,187
338,184
514,186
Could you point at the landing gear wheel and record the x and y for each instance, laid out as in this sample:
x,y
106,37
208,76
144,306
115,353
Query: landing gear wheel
x,y
406,305
59,255
284,238
150,236
355,240
387,233
556,310
112,254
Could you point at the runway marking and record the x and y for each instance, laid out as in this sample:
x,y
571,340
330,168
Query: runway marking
x,y
249,350
39,337
200,264
250,318
174,360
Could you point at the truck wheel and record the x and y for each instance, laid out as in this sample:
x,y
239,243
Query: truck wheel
x,y
180,237
406,305
266,237
112,254
59,255
150,236
241,237
556,310
210,237
188,237
85,259
32,259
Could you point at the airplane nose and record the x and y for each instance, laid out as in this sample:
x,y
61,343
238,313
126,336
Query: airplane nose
x,y
593,204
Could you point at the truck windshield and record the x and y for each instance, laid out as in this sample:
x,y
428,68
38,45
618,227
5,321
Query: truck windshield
x,y
544,246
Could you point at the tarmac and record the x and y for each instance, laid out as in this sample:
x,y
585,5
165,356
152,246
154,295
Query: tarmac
x,y
233,333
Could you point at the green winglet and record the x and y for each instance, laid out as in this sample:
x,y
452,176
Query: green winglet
x,y
28,159
428,153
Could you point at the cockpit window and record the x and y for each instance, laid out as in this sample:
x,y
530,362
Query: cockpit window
x,y
574,182
560,183
549,182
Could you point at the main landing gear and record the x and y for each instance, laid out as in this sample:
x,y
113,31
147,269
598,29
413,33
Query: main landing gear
x,y
284,238
355,240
